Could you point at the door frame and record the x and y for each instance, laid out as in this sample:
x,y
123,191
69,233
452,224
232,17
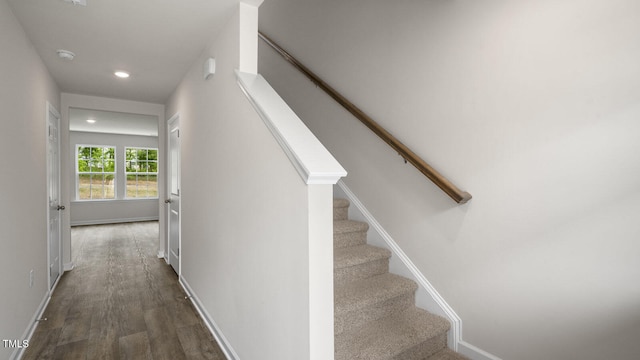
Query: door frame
x,y
51,110
175,119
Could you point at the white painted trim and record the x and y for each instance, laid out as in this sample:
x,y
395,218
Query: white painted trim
x,y
113,221
434,303
310,158
28,333
68,266
126,201
224,344
50,109
160,254
474,353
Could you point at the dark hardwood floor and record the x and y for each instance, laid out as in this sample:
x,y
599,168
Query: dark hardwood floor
x,y
120,302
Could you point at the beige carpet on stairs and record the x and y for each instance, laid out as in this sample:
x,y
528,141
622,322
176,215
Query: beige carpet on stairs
x,y
375,313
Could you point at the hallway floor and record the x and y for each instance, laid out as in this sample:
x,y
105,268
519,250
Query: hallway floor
x,y
120,302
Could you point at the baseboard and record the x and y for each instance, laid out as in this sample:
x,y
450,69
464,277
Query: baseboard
x,y
68,266
113,221
475,353
226,348
161,254
19,352
427,296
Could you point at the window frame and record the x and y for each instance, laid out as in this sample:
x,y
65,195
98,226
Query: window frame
x,y
114,174
147,173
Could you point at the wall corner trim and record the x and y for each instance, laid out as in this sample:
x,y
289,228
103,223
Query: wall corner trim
x,y
311,159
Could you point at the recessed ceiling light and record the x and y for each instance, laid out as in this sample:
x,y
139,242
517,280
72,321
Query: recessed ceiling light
x,y
122,74
65,54
91,121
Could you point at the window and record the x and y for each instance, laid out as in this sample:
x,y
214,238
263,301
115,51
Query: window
x,y
95,169
141,169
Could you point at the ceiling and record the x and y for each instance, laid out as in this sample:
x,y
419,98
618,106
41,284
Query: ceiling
x,y
156,41
112,122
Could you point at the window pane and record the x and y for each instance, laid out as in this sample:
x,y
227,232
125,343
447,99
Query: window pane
x,y
129,154
109,166
132,186
153,167
109,154
153,154
83,166
83,187
96,187
109,187
152,186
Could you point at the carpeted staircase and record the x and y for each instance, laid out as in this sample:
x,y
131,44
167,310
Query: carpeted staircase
x,y
375,313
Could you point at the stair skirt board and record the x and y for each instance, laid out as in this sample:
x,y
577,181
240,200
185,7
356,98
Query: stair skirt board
x,y
427,297
226,348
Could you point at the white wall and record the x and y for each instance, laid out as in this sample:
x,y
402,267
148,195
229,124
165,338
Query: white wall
x,y
68,101
530,106
245,217
121,209
25,87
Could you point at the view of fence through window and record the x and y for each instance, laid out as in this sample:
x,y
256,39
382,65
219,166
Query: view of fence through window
x,y
141,170
96,172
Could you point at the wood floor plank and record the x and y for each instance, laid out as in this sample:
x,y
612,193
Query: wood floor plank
x,y
43,344
162,335
135,347
77,322
72,351
198,343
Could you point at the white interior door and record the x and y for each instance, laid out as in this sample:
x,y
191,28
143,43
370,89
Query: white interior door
x,y
173,198
53,193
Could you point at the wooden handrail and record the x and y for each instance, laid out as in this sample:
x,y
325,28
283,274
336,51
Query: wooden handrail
x,y
456,194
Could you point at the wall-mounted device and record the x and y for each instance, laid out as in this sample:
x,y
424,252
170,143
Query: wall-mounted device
x,y
209,68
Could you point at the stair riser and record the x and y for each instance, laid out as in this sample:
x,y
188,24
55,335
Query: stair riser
x,y
340,213
353,319
349,239
425,349
361,271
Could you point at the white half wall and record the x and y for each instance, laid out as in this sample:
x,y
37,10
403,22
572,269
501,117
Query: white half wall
x,y
532,107
25,89
256,239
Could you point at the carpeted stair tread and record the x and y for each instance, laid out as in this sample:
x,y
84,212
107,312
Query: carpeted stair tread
x,y
359,262
349,233
360,294
339,202
447,354
349,226
356,255
408,335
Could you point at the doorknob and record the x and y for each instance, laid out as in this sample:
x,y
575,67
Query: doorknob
x,y
168,201
60,207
